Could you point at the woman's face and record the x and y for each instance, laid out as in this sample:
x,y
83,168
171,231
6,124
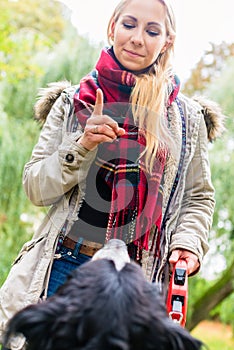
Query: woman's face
x,y
139,34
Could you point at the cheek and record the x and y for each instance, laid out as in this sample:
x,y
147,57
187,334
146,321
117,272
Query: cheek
x,y
153,54
155,50
120,37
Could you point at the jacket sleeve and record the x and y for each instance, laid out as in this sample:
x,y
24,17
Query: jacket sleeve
x,y
58,162
196,213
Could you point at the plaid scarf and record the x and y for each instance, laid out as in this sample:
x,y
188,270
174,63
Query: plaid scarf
x,y
136,201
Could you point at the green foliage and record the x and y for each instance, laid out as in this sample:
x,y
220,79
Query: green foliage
x,y
40,16
197,286
70,60
56,65
34,50
222,169
212,296
26,27
19,98
209,67
223,180
223,91
226,311
222,158
16,143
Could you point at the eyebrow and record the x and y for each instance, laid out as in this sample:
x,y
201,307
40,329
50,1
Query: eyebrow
x,y
149,23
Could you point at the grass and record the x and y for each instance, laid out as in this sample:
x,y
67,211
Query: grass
x,y
215,335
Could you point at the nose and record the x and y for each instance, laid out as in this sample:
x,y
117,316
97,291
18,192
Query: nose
x,y
137,37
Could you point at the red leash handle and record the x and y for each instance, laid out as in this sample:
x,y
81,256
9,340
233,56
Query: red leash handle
x,y
177,298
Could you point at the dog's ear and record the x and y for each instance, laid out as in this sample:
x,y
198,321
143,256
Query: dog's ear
x,y
34,323
179,338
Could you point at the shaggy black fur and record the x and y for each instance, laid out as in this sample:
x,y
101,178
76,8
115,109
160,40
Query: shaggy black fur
x,y
100,308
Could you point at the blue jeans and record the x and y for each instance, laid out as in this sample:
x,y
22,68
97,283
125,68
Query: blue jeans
x,y
68,261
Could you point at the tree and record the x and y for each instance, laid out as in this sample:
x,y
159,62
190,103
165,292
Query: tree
x,y
209,67
18,89
54,64
26,27
36,39
72,58
212,297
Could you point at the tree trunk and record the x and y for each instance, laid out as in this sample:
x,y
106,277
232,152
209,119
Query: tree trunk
x,y
223,287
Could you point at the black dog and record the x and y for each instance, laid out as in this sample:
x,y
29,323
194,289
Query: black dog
x,y
102,308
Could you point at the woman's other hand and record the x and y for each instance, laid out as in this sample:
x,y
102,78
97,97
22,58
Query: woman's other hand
x,y
99,128
190,258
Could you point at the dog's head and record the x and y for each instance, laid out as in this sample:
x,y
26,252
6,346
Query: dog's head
x,y
102,308
115,250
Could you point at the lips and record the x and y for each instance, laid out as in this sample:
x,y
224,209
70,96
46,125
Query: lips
x,y
132,53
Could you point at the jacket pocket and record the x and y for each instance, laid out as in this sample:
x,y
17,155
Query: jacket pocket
x,y
27,247
23,284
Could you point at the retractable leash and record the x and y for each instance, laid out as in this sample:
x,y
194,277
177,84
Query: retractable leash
x,y
177,298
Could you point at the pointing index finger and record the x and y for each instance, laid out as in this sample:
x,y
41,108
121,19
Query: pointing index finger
x,y
98,107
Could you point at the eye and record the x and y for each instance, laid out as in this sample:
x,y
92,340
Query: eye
x,y
128,25
153,32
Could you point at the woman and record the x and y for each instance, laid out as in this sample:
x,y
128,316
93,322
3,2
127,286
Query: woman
x,y
122,155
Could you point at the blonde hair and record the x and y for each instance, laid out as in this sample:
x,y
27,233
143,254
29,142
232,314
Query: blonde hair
x,y
150,93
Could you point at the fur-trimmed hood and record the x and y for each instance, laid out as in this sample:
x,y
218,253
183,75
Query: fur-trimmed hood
x,y
46,97
214,118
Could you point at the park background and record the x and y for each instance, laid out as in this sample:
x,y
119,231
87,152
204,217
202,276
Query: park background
x,y
42,41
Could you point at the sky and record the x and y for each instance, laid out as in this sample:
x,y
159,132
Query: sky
x,y
198,23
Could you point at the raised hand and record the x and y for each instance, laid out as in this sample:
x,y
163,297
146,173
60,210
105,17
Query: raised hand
x,y
99,127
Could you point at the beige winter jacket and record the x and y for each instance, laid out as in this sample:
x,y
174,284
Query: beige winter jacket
x,y
59,164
